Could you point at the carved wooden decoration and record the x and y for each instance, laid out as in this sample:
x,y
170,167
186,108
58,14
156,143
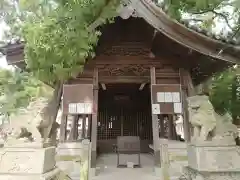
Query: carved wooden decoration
x,y
124,70
126,49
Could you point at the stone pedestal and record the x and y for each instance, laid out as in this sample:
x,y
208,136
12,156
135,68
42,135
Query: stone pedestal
x,y
28,162
213,162
73,158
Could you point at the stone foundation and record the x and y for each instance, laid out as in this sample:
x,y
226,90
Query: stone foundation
x,y
213,162
28,162
192,174
52,175
214,158
73,158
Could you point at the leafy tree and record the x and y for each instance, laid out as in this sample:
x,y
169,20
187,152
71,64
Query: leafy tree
x,y
207,15
17,89
59,36
225,93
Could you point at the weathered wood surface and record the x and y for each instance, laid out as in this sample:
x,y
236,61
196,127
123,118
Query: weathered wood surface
x,y
94,120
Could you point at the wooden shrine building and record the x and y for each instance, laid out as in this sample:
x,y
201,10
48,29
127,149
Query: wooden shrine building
x,y
146,65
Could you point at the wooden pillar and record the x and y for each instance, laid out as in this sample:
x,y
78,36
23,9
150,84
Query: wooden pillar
x,y
89,126
187,90
94,120
155,129
186,123
76,127
170,126
63,128
72,135
175,137
84,126
162,128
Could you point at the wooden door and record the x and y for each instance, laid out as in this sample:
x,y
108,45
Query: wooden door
x,y
127,114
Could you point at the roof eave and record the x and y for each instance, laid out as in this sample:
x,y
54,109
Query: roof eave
x,y
169,27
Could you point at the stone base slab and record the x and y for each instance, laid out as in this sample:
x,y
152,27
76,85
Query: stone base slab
x,y
26,160
78,157
214,158
71,148
52,175
93,172
192,174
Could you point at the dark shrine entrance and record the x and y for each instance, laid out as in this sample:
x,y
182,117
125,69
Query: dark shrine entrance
x,y
124,110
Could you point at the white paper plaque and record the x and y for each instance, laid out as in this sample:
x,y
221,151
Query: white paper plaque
x,y
168,97
176,97
72,108
88,108
156,109
177,108
80,108
160,97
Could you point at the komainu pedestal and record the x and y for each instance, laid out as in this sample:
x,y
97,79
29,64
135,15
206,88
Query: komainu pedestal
x,y
28,162
213,162
212,153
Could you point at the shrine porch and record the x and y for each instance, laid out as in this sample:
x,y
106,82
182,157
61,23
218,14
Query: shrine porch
x,y
107,167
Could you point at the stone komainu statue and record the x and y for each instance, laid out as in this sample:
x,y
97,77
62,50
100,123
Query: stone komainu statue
x,y
207,124
29,123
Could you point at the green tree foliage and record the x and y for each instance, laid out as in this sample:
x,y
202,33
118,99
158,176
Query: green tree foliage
x,y
206,14
225,92
59,35
17,89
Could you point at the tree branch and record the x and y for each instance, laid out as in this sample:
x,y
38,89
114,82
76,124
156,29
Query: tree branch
x,y
196,20
224,17
216,14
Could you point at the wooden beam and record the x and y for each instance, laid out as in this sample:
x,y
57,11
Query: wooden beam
x,y
125,60
124,79
94,120
113,79
155,129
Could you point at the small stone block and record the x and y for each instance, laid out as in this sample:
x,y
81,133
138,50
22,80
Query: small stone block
x,y
52,175
27,160
214,158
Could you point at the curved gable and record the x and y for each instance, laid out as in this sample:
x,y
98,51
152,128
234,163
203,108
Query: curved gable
x,y
183,35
